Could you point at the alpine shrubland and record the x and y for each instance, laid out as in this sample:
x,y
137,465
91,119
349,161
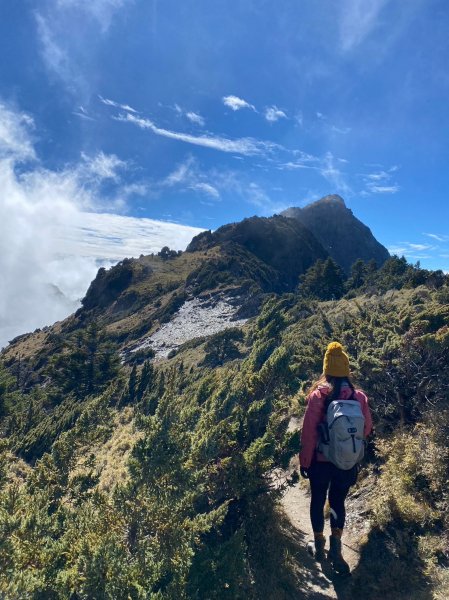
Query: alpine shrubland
x,y
152,479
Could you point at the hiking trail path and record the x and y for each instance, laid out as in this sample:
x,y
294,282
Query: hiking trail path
x,y
318,581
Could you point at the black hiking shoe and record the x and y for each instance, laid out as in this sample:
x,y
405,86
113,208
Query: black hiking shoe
x,y
316,549
335,557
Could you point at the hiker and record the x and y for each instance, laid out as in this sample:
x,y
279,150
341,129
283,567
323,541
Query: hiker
x,y
329,458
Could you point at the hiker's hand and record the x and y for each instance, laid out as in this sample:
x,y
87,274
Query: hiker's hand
x,y
304,472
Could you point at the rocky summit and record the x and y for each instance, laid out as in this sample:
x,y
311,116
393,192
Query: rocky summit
x,y
342,235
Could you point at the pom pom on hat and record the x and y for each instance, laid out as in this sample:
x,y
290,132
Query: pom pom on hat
x,y
336,362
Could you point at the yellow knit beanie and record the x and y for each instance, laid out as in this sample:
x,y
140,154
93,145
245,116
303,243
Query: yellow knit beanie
x,y
336,362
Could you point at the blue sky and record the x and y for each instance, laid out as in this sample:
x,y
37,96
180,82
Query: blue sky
x,y
199,113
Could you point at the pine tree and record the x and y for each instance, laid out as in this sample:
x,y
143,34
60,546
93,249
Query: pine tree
x,y
311,283
145,380
359,272
132,384
86,365
324,280
334,279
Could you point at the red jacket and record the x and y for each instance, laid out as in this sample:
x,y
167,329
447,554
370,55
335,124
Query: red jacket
x,y
314,415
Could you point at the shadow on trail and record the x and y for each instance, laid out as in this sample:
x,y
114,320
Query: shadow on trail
x,y
282,567
390,567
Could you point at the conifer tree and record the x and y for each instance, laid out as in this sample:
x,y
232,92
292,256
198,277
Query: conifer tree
x,y
145,380
359,272
132,384
324,280
334,278
86,365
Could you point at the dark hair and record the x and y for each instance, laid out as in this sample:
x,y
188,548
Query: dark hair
x,y
334,386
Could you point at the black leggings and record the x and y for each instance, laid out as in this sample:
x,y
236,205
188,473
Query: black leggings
x,y
324,477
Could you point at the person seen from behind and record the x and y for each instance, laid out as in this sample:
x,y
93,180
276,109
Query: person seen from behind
x,y
332,444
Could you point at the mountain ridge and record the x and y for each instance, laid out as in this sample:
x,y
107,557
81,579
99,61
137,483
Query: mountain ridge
x,y
245,260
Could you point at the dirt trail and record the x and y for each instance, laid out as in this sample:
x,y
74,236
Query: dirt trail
x,y
319,581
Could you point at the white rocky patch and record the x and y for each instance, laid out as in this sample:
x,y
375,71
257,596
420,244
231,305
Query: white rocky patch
x,y
196,318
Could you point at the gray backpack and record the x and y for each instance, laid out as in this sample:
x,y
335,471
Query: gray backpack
x,y
342,440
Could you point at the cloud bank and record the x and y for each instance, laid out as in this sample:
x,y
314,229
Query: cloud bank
x,y
53,237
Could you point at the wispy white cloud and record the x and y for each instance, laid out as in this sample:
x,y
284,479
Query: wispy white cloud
x,y
420,247
192,116
100,10
83,114
358,18
342,130
292,165
217,183
245,146
207,189
328,166
397,250
115,104
188,176
299,118
181,174
273,114
195,118
380,176
379,182
413,250
302,160
54,53
334,175
101,166
60,26
384,189
236,103
256,195
15,134
438,237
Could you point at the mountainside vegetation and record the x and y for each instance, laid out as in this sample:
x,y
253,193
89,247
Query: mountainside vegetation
x,y
128,476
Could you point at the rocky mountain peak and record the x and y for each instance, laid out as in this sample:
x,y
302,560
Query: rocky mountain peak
x,y
333,199
339,231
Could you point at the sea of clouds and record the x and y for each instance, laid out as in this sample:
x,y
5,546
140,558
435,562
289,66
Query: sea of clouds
x,y
56,229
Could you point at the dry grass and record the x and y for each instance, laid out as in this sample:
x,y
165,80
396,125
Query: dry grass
x,y
17,470
29,345
110,460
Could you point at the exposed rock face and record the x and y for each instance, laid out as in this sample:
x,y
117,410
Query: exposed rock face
x,y
339,231
197,317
